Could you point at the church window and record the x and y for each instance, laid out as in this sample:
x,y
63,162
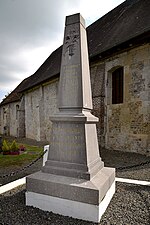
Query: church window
x,y
17,110
117,86
4,113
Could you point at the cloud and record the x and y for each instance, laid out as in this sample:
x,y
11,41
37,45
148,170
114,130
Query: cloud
x,y
32,29
33,19
96,8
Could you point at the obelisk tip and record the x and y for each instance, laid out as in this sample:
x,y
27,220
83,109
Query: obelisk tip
x,y
75,18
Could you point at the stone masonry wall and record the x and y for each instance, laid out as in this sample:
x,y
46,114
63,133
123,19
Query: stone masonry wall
x,y
98,94
1,120
13,119
5,121
21,118
10,119
128,124
123,126
50,106
32,119
40,104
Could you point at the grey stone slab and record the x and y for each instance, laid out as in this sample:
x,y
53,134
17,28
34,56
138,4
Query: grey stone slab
x,y
74,144
87,191
76,18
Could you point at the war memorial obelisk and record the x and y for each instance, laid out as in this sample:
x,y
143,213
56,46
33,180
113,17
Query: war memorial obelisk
x,y
74,181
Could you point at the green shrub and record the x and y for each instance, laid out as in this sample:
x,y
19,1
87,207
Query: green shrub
x,y
5,146
14,147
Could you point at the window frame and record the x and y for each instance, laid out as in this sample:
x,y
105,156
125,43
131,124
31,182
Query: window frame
x,y
117,83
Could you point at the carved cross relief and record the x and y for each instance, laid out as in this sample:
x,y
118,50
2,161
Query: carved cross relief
x,y
70,42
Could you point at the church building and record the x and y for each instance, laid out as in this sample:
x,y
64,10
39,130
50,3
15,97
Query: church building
x,y
119,57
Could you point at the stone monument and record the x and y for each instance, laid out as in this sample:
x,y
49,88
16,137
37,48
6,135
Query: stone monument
x,y
74,181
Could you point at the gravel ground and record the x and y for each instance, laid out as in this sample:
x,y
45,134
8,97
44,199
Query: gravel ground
x,y
6,171
118,159
130,204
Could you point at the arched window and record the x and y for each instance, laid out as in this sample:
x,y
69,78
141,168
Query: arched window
x,y
117,86
17,110
4,113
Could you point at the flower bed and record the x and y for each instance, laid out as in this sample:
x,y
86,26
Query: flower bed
x,y
14,153
12,149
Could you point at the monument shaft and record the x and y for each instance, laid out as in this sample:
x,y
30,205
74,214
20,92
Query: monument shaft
x,y
75,88
74,147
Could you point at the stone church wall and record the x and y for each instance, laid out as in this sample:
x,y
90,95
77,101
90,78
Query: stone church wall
x,y
50,106
5,119
13,125
128,124
97,72
21,118
124,126
32,117
10,119
40,104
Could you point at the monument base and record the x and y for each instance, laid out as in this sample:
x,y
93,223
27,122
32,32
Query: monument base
x,y
77,198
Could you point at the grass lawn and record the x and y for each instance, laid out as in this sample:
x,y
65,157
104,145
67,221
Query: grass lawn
x,y
31,153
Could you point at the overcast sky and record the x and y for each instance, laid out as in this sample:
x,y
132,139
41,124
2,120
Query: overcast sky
x,y
31,29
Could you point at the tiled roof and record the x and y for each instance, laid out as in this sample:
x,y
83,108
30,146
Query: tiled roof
x,y
52,64
127,21
50,68
15,95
